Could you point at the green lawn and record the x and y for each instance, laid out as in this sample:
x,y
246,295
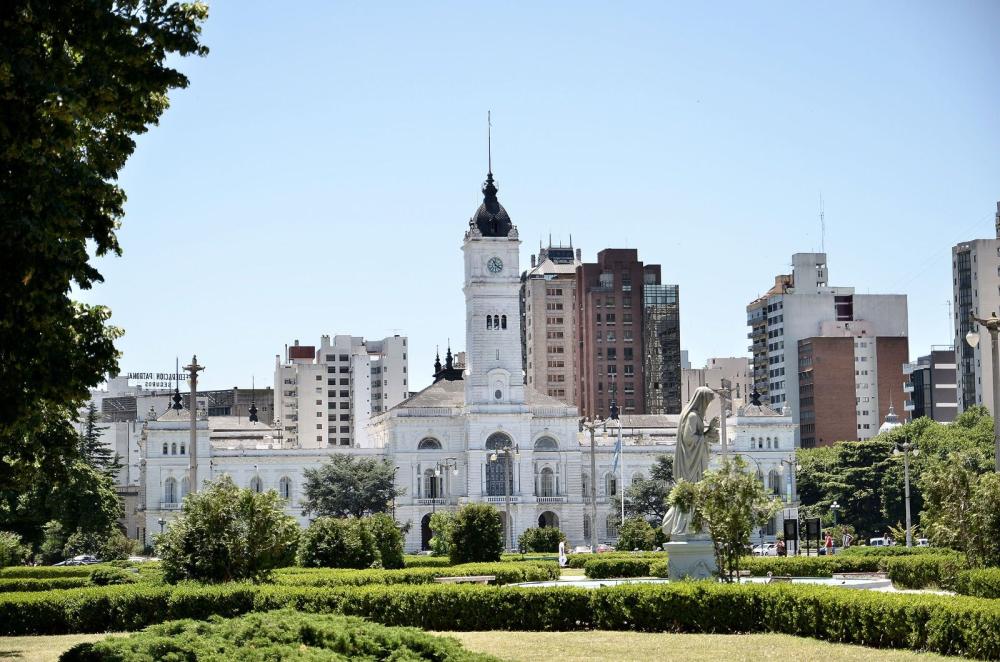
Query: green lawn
x,y
569,646
606,645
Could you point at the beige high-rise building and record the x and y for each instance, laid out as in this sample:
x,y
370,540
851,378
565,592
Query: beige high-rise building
x,y
548,301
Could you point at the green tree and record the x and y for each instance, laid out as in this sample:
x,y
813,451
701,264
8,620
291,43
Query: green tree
x,y
226,533
388,539
647,497
730,502
78,80
12,551
93,449
477,534
347,486
441,525
540,539
332,542
636,533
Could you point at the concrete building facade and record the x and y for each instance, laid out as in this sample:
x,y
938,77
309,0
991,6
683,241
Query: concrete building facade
x,y
324,396
548,305
975,267
735,369
930,386
794,309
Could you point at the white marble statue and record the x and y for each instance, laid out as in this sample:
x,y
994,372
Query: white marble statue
x,y
692,455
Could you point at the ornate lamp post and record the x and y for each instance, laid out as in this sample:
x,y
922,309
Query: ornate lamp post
x,y
592,428
449,463
905,448
834,507
161,522
993,326
509,452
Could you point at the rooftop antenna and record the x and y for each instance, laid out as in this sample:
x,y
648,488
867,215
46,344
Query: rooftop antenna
x,y
951,328
822,225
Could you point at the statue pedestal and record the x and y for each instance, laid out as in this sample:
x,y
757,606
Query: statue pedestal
x,y
691,559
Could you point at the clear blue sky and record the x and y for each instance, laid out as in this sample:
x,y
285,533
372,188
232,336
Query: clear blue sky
x,y
318,174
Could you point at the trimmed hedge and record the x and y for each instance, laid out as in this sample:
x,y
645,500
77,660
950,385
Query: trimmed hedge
x,y
599,568
506,573
46,571
924,570
276,635
905,570
31,584
580,560
983,583
417,561
953,625
892,551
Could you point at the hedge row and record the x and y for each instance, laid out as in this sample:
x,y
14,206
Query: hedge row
x,y
892,551
45,571
580,560
602,568
505,573
276,635
984,583
953,625
419,561
30,584
906,571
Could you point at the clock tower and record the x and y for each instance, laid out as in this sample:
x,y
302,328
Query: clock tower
x,y
494,374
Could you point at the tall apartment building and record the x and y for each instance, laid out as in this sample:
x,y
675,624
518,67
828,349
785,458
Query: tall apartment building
x,y
931,386
548,330
795,308
848,378
612,317
324,396
975,270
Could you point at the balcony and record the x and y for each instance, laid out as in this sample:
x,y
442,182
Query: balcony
x,y
502,499
433,502
170,505
908,405
551,499
907,387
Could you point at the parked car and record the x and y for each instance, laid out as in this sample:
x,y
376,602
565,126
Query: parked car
x,y
879,542
605,548
923,542
82,559
767,549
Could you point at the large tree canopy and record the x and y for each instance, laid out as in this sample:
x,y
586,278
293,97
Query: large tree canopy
x,y
349,487
78,80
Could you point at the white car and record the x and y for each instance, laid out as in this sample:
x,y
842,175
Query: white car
x,y
768,549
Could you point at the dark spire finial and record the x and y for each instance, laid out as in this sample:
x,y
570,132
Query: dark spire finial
x,y
447,357
489,145
437,360
177,406
253,407
755,396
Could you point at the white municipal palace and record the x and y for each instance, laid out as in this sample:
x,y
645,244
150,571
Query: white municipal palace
x,y
443,439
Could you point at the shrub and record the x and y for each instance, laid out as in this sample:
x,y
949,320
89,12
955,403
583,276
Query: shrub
x,y
416,561
227,533
22,585
276,635
953,625
505,573
636,533
388,539
924,570
659,569
337,543
12,551
892,551
110,576
45,571
477,534
600,568
580,560
983,583
441,525
540,539
117,546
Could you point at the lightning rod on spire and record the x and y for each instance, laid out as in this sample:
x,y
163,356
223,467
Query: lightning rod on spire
x,y
489,142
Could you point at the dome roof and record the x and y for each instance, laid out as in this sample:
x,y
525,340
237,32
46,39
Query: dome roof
x,y
491,218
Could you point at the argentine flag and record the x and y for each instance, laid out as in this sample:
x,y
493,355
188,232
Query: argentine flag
x,y
618,455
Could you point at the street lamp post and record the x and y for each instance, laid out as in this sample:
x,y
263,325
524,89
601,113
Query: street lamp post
x,y
834,507
395,469
993,326
509,453
449,463
905,448
592,428
161,522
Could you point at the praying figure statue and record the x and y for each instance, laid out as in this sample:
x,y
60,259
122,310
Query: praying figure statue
x,y
692,455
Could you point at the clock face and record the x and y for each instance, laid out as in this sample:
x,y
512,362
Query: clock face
x,y
495,265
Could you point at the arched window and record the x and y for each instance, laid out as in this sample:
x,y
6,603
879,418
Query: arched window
x,y
548,483
256,484
503,322
586,528
753,440
497,440
610,484
774,482
285,487
496,322
760,443
586,485
429,444
611,525
173,449
489,322
182,449
185,488
637,477
432,485
164,448
776,442
546,444
170,491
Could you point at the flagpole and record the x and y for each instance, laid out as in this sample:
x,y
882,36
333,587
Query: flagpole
x,y
621,449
